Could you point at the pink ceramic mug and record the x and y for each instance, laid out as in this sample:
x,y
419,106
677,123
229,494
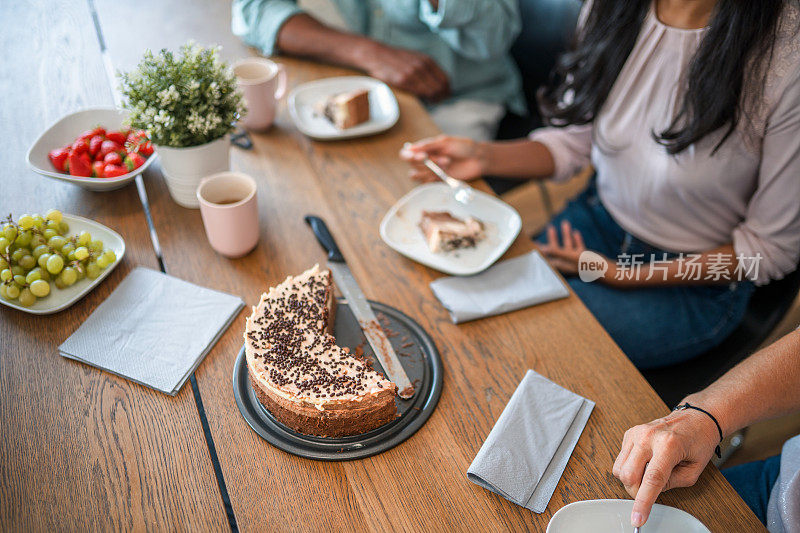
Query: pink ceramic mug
x,y
229,208
263,83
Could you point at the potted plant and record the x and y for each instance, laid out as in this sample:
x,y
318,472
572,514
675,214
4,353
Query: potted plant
x,y
187,103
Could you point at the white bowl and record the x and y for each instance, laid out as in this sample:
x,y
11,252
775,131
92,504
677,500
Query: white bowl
x,y
614,516
64,132
400,228
60,299
383,108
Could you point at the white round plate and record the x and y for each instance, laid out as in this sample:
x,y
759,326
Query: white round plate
x,y
614,516
304,99
60,299
65,131
400,228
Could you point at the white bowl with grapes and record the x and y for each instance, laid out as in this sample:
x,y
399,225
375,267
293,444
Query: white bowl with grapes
x,y
49,262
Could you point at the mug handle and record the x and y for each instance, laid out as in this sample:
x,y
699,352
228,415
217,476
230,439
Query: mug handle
x,y
281,90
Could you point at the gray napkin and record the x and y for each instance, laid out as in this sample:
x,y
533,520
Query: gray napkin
x,y
153,329
507,286
529,446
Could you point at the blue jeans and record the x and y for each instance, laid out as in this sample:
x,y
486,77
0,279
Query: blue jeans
x,y
654,326
754,482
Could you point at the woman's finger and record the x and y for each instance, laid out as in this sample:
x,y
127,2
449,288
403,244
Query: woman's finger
x,y
552,236
566,235
578,240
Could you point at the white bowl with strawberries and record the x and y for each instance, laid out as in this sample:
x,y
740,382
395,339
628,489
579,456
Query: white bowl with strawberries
x,y
93,149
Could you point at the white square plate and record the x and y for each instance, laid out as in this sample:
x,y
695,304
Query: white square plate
x,y
400,228
304,99
65,131
60,299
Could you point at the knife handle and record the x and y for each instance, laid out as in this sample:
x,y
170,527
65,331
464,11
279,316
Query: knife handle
x,y
325,238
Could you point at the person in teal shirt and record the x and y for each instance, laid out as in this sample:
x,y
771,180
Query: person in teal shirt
x,y
453,54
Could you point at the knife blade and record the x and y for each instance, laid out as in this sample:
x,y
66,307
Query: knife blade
x,y
361,309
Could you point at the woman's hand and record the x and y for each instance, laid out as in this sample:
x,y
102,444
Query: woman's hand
x,y
460,157
663,454
565,255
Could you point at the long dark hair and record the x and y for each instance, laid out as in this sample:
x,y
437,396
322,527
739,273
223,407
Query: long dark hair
x,y
738,43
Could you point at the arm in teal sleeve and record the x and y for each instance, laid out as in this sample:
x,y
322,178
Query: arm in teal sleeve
x,y
257,22
477,29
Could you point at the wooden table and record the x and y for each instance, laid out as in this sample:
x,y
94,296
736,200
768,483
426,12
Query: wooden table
x,y
95,449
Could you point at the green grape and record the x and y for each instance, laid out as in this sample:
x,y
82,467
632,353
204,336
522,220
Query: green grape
x,y
16,269
26,298
3,263
19,279
45,274
70,256
51,224
24,238
10,232
38,221
54,215
25,222
18,253
63,227
56,242
33,275
102,261
12,291
40,288
42,261
59,283
97,246
67,248
6,274
3,288
81,271
50,233
84,238
37,240
4,244
39,250
55,263
81,253
110,256
92,270
27,261
68,276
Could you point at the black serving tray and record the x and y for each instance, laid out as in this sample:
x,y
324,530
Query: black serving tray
x,y
420,360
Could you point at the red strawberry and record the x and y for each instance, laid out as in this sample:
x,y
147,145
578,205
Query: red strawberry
x,y
109,146
59,158
88,134
133,161
116,136
112,171
94,145
112,158
79,164
101,131
98,169
80,146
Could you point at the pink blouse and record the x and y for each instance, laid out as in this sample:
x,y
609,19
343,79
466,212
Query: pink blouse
x,y
747,193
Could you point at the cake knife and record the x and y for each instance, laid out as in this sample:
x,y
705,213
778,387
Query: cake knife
x,y
361,309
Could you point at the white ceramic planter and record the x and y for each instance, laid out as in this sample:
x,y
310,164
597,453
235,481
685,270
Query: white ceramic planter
x,y
184,168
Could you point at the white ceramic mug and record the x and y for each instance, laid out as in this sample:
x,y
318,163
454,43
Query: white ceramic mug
x,y
263,83
229,208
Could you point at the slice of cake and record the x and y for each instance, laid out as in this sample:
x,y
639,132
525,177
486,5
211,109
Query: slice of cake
x,y
299,373
444,232
349,109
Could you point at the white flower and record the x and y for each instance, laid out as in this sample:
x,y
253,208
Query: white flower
x,y
168,96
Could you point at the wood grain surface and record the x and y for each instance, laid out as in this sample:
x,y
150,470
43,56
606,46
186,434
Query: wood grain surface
x,y
81,449
421,484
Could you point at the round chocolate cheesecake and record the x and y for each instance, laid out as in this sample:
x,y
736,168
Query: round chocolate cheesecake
x,y
298,372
